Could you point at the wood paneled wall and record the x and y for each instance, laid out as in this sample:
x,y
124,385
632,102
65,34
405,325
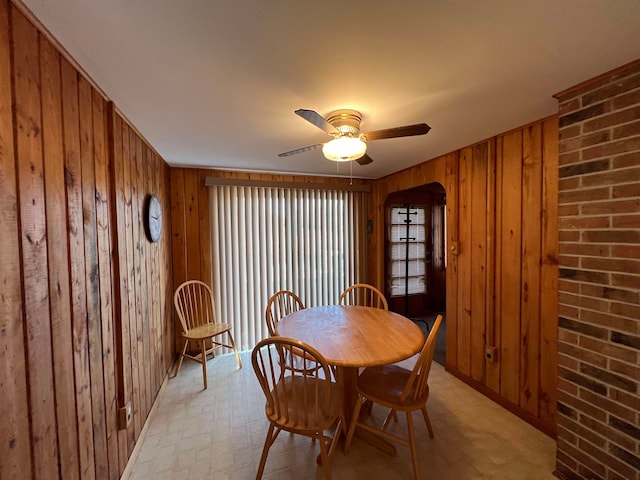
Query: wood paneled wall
x,y
85,300
144,285
501,199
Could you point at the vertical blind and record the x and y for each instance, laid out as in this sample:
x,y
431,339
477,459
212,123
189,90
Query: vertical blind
x,y
266,239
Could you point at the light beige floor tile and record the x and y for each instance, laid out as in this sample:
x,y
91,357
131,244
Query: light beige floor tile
x,y
219,434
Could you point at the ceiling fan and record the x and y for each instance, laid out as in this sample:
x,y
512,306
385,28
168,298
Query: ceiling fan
x,y
348,142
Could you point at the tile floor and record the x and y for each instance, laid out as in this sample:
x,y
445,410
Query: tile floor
x,y
219,434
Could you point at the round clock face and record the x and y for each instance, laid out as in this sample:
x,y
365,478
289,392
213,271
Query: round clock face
x,y
154,218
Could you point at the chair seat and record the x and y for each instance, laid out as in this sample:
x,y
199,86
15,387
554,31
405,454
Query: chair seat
x,y
384,385
297,416
206,331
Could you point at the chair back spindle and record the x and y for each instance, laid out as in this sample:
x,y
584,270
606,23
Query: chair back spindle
x,y
280,305
419,378
194,304
364,295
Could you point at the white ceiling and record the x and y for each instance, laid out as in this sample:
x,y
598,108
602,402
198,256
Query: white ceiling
x,y
215,83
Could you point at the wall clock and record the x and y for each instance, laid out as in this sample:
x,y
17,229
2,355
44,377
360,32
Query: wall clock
x,y
153,218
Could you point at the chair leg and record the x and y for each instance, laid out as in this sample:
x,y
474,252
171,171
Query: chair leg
x,y
392,414
186,343
427,421
354,421
271,437
235,350
203,346
336,436
412,446
324,456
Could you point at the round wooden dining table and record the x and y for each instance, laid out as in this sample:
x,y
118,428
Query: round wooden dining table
x,y
351,337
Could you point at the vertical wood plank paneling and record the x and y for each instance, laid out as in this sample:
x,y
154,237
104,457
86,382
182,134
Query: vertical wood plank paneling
x,y
511,233
126,435
104,265
493,212
166,271
144,267
153,379
37,316
57,237
495,209
73,180
495,379
119,266
530,296
178,240
155,282
478,251
141,274
205,228
160,274
451,351
498,258
465,253
191,196
139,408
15,449
134,429
169,265
153,320
376,214
85,104
159,189
60,307
549,274
166,293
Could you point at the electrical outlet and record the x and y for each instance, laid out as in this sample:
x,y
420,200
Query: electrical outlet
x,y
124,416
491,353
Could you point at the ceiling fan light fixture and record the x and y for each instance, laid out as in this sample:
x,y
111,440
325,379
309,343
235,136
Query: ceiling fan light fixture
x,y
344,149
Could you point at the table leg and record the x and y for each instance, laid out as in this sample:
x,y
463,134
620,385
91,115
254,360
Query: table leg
x,y
348,376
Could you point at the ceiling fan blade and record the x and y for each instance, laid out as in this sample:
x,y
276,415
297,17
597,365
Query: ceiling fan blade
x,y
364,160
406,131
300,150
316,119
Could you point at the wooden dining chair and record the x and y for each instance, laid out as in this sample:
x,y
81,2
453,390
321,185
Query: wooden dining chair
x,y
304,401
194,303
280,304
400,390
365,295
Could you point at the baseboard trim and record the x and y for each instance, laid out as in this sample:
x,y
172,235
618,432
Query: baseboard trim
x,y
143,433
515,409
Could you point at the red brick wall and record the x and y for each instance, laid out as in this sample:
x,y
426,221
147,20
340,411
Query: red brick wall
x,y
599,286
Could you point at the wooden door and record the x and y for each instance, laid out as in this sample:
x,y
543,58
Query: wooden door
x,y
426,202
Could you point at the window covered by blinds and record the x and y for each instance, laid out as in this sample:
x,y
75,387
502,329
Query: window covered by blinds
x,y
408,250
265,239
